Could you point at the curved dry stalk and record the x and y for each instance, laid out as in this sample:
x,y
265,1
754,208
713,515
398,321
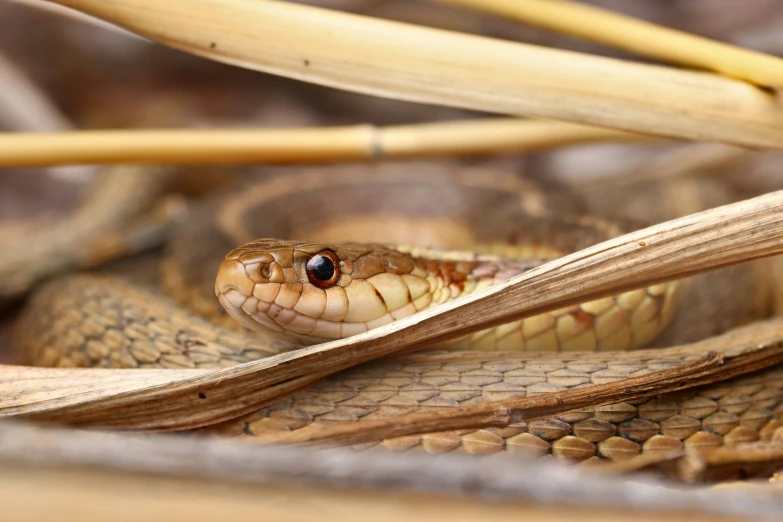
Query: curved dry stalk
x,y
426,65
722,236
637,36
239,146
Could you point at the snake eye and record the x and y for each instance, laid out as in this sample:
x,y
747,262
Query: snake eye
x,y
323,269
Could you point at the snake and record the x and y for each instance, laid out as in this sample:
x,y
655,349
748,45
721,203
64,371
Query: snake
x,y
361,246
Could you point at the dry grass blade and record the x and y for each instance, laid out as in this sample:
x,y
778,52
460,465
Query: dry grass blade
x,y
239,146
695,465
723,236
420,64
60,474
644,38
43,467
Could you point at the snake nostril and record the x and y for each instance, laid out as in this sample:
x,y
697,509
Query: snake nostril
x,y
265,273
232,276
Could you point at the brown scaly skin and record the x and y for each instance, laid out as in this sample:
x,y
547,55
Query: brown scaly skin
x,y
87,322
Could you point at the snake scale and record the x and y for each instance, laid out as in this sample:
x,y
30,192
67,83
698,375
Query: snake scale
x,y
320,283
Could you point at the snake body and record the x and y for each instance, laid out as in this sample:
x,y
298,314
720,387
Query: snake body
x,y
88,321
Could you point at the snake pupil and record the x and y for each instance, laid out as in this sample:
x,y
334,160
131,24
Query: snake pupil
x,y
322,269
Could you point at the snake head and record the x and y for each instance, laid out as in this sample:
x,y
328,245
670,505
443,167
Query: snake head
x,y
314,292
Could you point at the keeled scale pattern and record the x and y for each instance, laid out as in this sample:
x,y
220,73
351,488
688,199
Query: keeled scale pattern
x,y
740,411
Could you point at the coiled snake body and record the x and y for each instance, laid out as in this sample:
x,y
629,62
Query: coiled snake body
x,y
306,292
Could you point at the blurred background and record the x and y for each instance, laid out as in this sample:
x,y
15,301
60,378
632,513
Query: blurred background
x,y
101,77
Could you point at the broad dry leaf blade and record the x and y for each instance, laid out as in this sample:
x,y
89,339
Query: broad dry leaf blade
x,y
427,65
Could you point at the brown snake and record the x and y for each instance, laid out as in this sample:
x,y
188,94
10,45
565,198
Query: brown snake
x,y
309,292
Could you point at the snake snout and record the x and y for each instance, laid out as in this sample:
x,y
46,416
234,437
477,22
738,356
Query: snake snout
x,y
233,288
260,291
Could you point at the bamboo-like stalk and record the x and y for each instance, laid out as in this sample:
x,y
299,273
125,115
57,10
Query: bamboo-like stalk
x,y
240,146
719,237
490,136
637,36
427,65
